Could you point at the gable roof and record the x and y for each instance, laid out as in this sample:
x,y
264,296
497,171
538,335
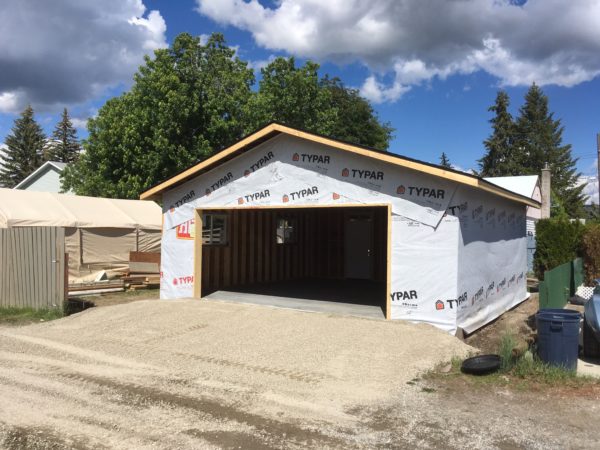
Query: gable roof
x,y
275,129
37,173
522,184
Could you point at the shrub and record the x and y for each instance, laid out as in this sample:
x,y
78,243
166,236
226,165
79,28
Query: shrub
x,y
591,252
558,241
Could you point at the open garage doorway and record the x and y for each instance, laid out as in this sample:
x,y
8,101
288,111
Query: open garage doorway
x,y
321,258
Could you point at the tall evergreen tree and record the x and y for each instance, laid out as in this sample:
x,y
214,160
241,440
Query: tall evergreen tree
x,y
499,157
538,140
24,150
64,145
444,161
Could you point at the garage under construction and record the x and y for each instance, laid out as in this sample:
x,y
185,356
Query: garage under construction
x,y
288,215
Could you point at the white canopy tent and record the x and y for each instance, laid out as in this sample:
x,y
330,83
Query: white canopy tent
x,y
99,232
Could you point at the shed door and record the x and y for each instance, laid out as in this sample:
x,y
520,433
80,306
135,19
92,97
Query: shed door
x,y
358,246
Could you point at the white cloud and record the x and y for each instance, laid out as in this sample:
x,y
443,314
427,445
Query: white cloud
x,y
67,52
8,101
260,63
591,188
546,41
79,123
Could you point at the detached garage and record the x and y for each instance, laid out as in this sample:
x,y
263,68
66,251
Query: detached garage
x,y
291,214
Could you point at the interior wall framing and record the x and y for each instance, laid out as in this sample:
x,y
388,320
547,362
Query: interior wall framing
x,y
252,255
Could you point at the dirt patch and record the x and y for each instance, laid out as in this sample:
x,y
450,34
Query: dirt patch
x,y
519,321
189,374
114,298
34,438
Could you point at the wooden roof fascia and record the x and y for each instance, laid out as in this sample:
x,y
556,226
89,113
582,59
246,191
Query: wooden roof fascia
x,y
153,192
458,177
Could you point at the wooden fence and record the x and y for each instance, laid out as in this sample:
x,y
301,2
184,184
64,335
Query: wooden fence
x,y
32,267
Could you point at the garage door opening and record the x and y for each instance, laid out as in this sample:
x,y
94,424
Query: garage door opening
x,y
314,258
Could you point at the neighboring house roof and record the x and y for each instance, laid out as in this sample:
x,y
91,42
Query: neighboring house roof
x,y
39,172
275,129
523,185
20,208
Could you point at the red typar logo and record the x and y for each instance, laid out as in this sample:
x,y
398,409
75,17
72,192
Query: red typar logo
x,y
240,201
401,190
336,196
207,191
286,199
345,172
296,157
246,172
439,305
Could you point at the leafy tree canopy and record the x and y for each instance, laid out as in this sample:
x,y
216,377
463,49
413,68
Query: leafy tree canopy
x,y
193,99
187,101
24,150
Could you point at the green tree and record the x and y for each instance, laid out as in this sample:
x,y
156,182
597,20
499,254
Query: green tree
x,y
23,154
291,95
356,121
297,97
64,145
444,161
498,159
185,103
537,141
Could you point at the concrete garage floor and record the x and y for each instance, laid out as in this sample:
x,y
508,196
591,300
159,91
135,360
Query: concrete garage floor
x,y
359,298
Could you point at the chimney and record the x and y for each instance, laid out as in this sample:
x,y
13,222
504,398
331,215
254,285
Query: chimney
x,y
546,192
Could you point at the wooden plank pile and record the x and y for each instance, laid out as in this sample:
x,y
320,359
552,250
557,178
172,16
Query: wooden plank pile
x,y
96,287
144,271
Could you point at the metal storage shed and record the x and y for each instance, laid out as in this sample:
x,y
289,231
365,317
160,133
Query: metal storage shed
x,y
284,206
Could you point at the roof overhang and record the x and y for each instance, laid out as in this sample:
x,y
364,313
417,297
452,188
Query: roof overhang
x,y
274,129
37,173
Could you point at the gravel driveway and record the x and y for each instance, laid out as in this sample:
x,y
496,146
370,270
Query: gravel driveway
x,y
208,374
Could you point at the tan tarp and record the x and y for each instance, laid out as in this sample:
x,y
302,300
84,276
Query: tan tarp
x,y
99,232
36,209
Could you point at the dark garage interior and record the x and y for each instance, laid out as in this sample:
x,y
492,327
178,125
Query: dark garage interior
x,y
315,254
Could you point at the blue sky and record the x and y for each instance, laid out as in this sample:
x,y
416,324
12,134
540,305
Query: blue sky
x,y
432,73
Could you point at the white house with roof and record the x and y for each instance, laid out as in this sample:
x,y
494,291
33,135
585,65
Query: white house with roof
x,y
527,186
45,178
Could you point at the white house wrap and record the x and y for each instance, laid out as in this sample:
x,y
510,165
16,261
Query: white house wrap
x,y
456,248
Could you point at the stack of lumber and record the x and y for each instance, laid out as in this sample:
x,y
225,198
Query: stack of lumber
x,y
96,287
144,270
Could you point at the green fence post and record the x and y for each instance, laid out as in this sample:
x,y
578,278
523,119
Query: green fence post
x,y
543,291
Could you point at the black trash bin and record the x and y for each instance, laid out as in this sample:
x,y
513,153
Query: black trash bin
x,y
558,337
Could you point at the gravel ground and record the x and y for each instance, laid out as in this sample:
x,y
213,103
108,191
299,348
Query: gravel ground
x,y
190,374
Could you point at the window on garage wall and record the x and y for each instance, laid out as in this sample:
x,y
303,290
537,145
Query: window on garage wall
x,y
286,230
214,229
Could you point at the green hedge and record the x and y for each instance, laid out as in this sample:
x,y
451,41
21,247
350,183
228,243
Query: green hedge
x,y
558,241
591,252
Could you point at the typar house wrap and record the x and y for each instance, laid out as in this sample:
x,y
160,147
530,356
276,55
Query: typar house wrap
x,y
457,248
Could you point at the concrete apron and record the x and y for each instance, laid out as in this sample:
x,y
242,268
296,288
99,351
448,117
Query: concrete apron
x,y
300,304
